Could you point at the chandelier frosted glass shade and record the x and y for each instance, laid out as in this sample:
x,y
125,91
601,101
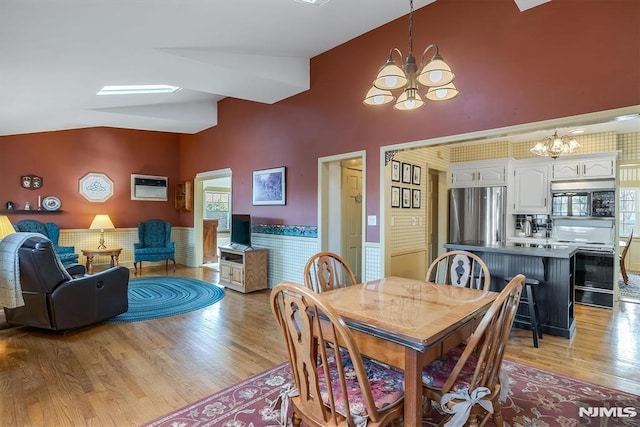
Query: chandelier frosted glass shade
x,y
390,77
409,100
377,96
555,146
435,73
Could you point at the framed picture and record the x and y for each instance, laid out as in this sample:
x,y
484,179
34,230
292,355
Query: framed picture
x,y
417,174
269,186
95,187
395,171
395,197
406,173
406,197
416,198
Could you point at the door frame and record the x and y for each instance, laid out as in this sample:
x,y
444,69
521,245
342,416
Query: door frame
x,y
198,204
324,174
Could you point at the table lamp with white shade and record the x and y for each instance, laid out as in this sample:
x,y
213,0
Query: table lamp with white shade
x,y
101,222
5,226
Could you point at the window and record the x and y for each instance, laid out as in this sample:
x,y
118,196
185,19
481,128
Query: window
x,y
217,206
629,210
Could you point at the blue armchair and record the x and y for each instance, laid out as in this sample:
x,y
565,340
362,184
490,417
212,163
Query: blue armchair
x,y
50,230
154,244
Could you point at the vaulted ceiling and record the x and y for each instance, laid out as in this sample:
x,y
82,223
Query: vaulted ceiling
x,y
56,55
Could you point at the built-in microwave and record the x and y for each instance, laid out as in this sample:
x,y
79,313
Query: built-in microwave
x,y
584,199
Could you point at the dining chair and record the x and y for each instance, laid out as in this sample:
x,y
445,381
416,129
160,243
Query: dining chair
x,y
332,388
326,270
472,371
623,256
460,268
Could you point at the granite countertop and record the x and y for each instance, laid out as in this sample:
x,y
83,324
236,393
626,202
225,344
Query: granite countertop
x,y
539,250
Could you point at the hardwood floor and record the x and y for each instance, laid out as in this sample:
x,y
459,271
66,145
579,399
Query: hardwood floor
x,y
130,373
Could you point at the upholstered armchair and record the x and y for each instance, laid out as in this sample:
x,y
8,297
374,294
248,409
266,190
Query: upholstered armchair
x,y
154,244
50,230
57,300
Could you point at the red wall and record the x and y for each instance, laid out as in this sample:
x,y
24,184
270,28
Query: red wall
x,y
62,158
560,59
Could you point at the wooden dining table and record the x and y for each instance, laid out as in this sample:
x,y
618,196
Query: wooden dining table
x,y
409,323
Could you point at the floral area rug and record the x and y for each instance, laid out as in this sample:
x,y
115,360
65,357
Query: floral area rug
x,y
536,398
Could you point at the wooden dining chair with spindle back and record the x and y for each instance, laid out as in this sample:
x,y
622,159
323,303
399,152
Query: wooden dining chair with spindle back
x,y
326,271
460,268
471,373
332,388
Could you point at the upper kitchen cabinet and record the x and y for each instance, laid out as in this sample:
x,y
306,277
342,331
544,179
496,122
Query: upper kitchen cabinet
x,y
478,174
530,189
585,168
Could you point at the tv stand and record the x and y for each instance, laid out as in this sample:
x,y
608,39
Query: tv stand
x,y
243,268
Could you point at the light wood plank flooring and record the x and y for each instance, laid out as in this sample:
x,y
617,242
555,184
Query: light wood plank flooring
x,y
127,374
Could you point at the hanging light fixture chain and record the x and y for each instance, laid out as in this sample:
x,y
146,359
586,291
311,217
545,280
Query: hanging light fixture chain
x,y
410,27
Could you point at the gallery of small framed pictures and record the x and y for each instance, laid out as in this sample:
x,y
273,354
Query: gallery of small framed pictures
x,y
405,173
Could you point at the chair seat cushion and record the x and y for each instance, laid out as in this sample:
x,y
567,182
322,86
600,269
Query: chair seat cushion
x,y
154,251
437,372
387,385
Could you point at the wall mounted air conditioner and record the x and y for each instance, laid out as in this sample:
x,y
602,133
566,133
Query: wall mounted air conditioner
x,y
149,187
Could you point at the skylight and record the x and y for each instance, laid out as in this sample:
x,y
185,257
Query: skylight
x,y
137,89
316,2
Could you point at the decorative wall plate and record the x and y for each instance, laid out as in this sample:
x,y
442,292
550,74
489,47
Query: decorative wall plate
x,y
51,203
96,187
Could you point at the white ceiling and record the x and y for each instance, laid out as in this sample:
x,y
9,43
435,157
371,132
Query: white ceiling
x,y
55,56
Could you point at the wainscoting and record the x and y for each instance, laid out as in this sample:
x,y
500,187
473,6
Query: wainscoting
x,y
287,254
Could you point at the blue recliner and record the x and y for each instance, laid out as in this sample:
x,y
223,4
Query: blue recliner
x,y
50,230
154,244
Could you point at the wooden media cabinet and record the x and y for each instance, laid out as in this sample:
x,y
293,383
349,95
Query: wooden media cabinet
x,y
243,269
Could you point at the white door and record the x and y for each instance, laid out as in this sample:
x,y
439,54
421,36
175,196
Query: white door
x,y
352,218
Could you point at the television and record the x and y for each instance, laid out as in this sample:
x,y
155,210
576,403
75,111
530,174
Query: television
x,y
241,229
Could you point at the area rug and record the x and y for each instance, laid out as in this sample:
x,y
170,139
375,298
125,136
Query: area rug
x,y
632,288
536,398
156,297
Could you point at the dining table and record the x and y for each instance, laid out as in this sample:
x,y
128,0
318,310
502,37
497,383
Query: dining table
x,y
409,323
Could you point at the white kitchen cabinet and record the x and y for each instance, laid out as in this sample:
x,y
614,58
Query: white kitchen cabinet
x,y
478,174
587,168
531,189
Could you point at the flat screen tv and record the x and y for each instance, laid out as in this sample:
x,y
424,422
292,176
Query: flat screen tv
x,y
241,229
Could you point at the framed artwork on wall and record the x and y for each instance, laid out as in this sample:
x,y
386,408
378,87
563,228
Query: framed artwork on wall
x,y
416,175
95,187
416,198
395,197
269,186
406,197
406,173
395,171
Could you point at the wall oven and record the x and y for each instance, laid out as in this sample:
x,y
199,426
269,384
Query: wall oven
x,y
583,199
594,277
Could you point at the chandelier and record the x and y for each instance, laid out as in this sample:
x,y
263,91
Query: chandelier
x,y
554,146
435,76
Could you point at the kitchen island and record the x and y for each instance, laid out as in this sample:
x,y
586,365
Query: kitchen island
x,y
552,265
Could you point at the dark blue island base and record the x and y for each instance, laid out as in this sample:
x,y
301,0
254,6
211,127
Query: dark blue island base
x,y
553,266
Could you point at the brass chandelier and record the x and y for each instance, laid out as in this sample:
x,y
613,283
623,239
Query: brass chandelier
x,y
436,76
555,146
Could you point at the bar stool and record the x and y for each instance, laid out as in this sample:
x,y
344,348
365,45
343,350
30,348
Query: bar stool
x,y
529,298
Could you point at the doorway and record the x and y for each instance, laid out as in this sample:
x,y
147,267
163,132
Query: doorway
x,y
218,181
341,201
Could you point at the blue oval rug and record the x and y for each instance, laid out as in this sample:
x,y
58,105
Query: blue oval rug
x,y
156,297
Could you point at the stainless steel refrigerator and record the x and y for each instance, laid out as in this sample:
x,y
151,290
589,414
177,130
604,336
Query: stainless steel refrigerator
x,y
477,215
